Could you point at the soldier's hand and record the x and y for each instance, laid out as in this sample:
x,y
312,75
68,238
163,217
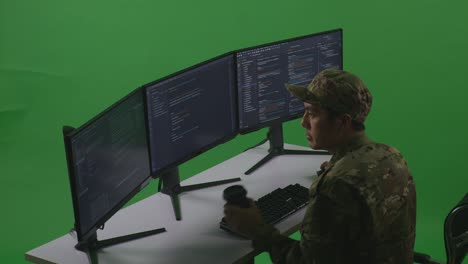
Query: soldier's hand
x,y
243,220
324,164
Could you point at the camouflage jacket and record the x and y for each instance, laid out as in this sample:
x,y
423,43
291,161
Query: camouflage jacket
x,y
362,209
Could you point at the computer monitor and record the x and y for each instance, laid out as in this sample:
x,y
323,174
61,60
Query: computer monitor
x,y
190,112
108,162
263,71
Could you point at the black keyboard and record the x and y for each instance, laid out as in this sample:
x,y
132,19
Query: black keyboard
x,y
280,203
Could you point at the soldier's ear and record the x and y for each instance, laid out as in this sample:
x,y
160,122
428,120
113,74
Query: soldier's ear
x,y
343,120
339,124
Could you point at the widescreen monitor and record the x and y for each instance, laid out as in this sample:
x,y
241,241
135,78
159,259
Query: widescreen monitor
x,y
191,111
108,162
263,71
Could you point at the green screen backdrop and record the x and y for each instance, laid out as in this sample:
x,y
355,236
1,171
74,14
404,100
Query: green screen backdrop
x,y
63,62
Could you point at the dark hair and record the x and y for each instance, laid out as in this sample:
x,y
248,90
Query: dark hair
x,y
332,114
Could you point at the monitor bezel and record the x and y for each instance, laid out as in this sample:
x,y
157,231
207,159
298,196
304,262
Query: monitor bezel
x,y
84,235
218,142
281,120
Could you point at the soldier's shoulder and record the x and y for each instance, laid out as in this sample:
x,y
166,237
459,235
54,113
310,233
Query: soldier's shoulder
x,y
372,153
364,161
375,149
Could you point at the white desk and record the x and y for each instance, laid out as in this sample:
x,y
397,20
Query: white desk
x,y
197,238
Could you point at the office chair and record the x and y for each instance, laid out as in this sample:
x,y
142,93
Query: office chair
x,y
455,236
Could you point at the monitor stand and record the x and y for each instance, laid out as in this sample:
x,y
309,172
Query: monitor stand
x,y
92,256
91,244
275,136
171,186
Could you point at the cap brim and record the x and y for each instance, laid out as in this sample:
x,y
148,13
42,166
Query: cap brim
x,y
297,90
300,92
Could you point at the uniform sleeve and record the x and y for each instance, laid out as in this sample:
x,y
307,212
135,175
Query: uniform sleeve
x,y
331,219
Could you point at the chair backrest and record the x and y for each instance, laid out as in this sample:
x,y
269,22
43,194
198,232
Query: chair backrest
x,y
456,232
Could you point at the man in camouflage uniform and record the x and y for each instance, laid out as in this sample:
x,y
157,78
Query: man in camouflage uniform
x,y
362,207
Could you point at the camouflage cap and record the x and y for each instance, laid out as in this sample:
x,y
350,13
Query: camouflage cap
x,y
338,90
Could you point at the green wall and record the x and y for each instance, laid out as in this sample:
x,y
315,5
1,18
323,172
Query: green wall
x,y
62,62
